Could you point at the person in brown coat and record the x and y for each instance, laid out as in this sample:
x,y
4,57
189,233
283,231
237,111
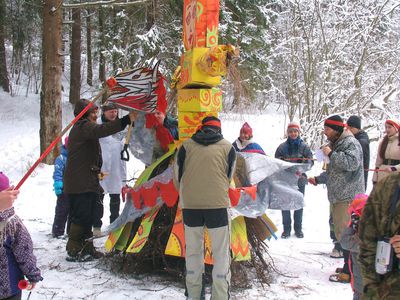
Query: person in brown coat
x,y
81,177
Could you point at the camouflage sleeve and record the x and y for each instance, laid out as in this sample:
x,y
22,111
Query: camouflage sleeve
x,y
368,234
347,159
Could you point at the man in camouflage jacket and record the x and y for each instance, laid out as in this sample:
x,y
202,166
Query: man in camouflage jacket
x,y
344,179
374,224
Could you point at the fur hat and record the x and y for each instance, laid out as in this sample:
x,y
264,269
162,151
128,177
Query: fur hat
x,y
394,123
293,125
81,104
354,121
246,129
335,122
108,106
4,182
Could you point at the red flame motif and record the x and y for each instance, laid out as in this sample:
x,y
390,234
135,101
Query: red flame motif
x,y
142,89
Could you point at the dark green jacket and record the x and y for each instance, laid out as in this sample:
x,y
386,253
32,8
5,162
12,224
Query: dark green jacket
x,y
374,224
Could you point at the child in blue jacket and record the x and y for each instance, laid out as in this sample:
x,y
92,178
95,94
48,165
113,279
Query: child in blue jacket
x,y
62,206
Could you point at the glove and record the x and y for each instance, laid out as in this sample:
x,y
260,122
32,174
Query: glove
x,y
58,187
312,181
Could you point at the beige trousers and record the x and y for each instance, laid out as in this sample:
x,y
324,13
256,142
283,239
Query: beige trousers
x,y
340,217
221,274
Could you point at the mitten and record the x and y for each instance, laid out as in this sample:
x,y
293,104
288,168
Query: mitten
x,y
58,187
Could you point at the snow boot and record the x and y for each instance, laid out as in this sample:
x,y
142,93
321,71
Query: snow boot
x,y
285,235
340,277
299,234
88,247
75,240
75,244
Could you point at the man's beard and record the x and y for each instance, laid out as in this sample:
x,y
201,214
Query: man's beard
x,y
334,138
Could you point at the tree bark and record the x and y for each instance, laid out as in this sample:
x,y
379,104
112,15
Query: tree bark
x,y
50,95
102,59
75,79
4,81
89,78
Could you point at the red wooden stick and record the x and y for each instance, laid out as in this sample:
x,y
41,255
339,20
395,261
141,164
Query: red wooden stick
x,y
58,138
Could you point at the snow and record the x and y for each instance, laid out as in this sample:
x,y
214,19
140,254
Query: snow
x,y
304,265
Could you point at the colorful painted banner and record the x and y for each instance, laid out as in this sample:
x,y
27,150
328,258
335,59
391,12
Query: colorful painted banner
x,y
207,248
176,242
143,232
200,23
199,100
239,243
191,75
117,237
190,119
142,89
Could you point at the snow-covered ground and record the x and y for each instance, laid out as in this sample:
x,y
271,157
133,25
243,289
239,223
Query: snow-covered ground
x,y
304,264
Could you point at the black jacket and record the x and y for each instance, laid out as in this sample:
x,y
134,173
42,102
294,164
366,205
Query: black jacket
x,y
363,139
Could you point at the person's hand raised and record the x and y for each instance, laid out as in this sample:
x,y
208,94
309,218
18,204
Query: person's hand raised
x,y
133,115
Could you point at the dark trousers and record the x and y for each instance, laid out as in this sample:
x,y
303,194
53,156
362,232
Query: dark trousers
x,y
297,216
346,256
61,215
287,220
114,206
211,218
85,209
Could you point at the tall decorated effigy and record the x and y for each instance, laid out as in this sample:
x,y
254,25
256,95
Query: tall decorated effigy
x,y
150,226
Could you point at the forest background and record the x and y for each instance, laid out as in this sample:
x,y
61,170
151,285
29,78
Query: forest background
x,y
312,58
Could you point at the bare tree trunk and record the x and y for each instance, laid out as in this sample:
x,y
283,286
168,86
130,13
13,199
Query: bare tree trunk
x,y
75,79
50,95
89,78
4,82
102,60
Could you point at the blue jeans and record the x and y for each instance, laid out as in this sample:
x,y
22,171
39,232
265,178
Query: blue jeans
x,y
287,220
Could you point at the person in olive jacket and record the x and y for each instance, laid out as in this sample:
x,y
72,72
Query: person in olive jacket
x,y
81,177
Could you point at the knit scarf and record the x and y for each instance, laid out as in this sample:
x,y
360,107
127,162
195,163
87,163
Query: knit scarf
x,y
243,144
293,145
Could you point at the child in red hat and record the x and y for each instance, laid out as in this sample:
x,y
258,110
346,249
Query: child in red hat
x,y
245,143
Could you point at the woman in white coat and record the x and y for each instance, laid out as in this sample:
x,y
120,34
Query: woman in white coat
x,y
113,168
388,158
